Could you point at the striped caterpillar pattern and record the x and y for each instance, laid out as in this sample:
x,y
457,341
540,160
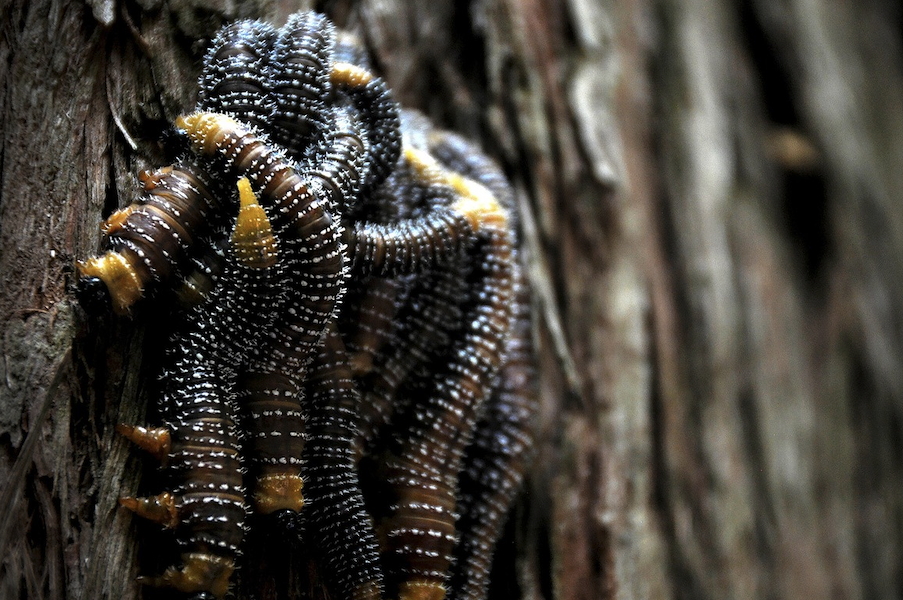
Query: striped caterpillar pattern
x,y
352,353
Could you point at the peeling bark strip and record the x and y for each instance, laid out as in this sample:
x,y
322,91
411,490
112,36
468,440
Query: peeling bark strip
x,y
641,136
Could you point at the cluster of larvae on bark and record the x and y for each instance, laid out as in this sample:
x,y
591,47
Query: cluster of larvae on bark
x,y
351,331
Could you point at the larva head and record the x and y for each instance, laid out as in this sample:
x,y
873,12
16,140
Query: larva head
x,y
93,296
347,75
108,281
253,242
206,131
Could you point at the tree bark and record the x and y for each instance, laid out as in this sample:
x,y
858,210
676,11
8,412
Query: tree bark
x,y
710,206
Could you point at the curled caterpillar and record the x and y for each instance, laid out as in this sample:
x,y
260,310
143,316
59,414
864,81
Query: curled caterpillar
x,y
496,460
149,241
300,82
422,470
343,530
368,365
235,77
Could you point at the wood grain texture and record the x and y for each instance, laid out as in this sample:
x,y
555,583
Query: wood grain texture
x,y
718,331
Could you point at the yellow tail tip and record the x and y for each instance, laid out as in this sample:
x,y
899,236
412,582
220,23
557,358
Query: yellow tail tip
x,y
161,508
246,195
200,572
155,440
253,242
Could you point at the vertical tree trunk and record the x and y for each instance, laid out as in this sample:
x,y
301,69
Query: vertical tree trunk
x,y
710,207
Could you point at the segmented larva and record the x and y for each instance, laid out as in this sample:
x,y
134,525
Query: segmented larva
x,y
368,320
274,81
409,246
427,323
497,459
235,77
342,159
420,318
203,268
342,529
373,100
422,473
314,263
199,443
149,240
425,320
300,82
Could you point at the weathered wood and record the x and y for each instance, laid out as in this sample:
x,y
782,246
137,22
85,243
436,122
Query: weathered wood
x,y
710,197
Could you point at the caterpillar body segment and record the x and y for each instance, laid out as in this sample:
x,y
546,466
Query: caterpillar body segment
x,y
496,460
236,75
303,52
423,471
372,99
428,322
413,245
204,267
373,326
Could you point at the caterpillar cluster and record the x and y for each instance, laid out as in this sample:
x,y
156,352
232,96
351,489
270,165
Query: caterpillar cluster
x,y
355,352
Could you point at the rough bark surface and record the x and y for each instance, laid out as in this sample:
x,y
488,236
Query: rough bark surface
x,y
710,196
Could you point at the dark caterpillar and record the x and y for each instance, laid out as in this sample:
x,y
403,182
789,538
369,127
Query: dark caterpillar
x,y
402,246
314,262
148,241
410,246
370,321
497,458
300,80
282,82
342,529
200,440
423,466
381,121
235,78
